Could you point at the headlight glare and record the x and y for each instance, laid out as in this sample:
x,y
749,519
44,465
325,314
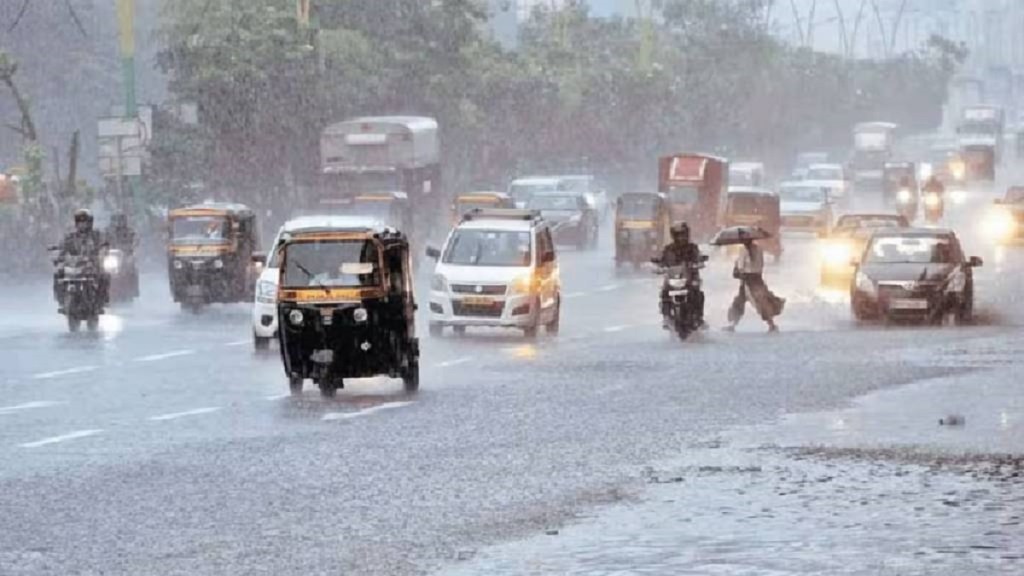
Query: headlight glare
x,y
178,264
904,196
218,264
1001,225
836,254
523,284
360,315
863,283
296,317
932,200
111,263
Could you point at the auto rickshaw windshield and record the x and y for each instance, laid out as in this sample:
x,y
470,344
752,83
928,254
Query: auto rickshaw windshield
x,y
200,229
638,207
747,204
331,263
684,195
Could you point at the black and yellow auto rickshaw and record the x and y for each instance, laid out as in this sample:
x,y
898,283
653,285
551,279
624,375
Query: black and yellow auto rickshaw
x,y
748,206
484,200
210,254
642,223
901,188
346,308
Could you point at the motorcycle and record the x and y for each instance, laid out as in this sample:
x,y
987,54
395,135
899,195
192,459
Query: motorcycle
x,y
124,277
934,207
683,301
80,290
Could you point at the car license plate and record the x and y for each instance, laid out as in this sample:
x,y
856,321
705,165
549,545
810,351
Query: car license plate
x,y
478,301
909,304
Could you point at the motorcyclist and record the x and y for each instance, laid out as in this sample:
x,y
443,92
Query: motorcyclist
x,y
680,252
934,185
83,241
120,235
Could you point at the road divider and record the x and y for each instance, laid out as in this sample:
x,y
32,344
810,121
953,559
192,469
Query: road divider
x,y
62,438
333,416
176,415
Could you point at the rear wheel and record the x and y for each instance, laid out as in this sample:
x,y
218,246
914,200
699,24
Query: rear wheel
x,y
92,323
328,388
553,326
295,385
73,323
530,332
965,313
261,343
411,378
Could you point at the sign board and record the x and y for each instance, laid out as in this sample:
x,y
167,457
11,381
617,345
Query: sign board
x,y
129,166
145,118
981,114
871,141
686,169
119,127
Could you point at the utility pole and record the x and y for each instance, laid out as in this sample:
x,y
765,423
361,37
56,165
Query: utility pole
x,y
128,190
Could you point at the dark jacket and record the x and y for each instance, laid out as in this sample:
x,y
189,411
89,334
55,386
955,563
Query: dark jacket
x,y
678,254
83,244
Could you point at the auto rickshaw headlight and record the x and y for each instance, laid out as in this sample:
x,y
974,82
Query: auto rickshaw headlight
x,y
932,200
904,196
178,264
360,315
218,264
1000,225
296,317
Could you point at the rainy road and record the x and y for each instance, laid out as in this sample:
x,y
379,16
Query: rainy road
x,y
165,445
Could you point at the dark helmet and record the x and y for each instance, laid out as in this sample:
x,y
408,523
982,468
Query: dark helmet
x,y
83,219
681,232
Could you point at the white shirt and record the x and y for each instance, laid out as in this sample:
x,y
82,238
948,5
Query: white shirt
x,y
751,261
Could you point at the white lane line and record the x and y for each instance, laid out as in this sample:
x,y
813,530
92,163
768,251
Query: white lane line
x,y
613,329
28,406
61,438
176,415
238,343
68,372
164,356
572,295
331,416
277,396
456,362
608,288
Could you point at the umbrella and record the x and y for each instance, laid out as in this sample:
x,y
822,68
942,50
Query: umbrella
x,y
739,235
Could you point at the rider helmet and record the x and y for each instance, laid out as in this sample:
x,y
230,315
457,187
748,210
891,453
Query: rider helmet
x,y
83,220
681,232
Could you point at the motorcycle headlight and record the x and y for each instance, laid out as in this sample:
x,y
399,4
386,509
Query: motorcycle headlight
x,y
904,196
218,264
864,283
439,283
932,200
296,317
360,315
266,291
111,263
958,169
523,284
178,264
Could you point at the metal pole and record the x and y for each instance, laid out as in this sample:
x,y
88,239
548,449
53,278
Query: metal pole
x,y
126,27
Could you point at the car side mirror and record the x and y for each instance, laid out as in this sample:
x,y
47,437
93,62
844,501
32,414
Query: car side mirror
x,y
976,262
433,253
704,257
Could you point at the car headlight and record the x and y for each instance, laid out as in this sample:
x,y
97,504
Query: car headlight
x,y
178,264
266,291
932,200
218,263
1000,225
111,264
863,283
360,315
523,284
439,283
836,254
958,196
296,317
904,196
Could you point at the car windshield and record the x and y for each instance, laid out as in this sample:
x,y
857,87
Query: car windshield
x,y
488,248
683,195
200,229
871,222
802,194
641,207
332,263
358,183
576,184
744,178
824,174
522,191
910,250
553,202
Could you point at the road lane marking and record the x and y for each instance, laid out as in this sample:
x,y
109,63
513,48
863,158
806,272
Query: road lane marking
x,y
608,288
176,415
28,406
68,372
61,438
238,343
332,416
613,329
572,295
277,396
456,362
165,356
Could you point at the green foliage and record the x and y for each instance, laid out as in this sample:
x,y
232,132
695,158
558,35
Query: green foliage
x,y
612,94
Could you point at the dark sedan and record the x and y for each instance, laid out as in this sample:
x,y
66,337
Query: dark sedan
x,y
910,274
572,218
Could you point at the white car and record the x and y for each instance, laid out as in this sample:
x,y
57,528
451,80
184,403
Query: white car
x,y
264,311
831,176
805,206
522,189
498,268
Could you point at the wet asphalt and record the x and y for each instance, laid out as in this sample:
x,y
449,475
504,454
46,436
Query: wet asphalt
x,y
165,445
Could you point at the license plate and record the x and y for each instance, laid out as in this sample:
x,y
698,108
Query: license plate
x,y
909,304
478,301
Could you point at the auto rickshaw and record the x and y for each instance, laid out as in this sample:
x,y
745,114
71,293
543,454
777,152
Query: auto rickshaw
x,y
749,206
484,200
901,188
210,254
345,307
642,224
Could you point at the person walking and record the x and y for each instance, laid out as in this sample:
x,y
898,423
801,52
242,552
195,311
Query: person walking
x,y
749,270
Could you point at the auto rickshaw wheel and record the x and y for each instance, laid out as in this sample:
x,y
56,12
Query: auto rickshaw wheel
x,y
73,323
328,388
555,323
261,343
459,330
295,385
92,323
411,377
